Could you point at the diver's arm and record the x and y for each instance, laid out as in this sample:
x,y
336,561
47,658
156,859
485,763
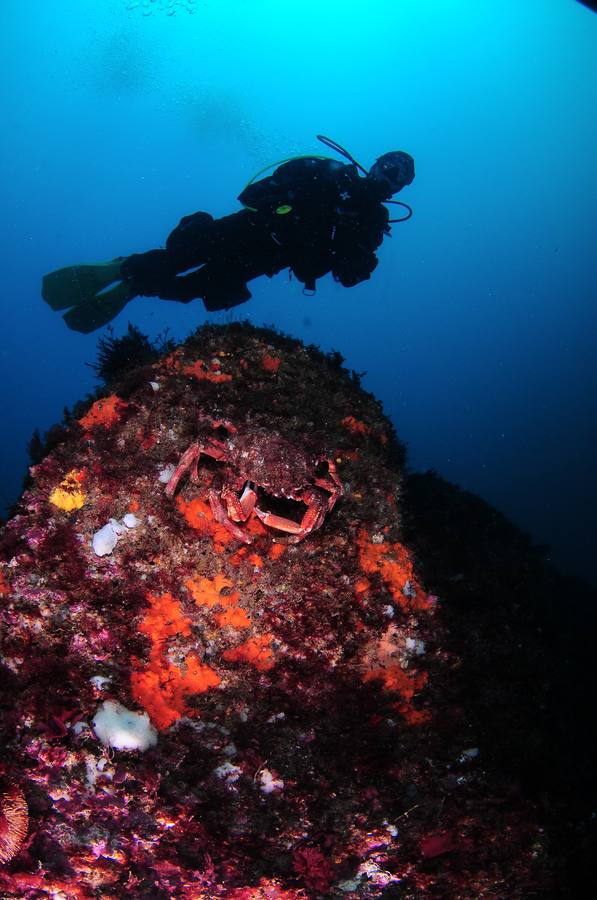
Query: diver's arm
x,y
360,231
358,267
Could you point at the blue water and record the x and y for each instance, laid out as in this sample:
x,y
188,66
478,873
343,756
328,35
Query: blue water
x,y
477,330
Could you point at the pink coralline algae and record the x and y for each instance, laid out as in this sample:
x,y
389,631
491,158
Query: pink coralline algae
x,y
308,725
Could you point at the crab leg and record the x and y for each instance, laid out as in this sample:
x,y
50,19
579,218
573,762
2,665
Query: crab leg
x,y
239,508
221,516
189,458
224,423
332,485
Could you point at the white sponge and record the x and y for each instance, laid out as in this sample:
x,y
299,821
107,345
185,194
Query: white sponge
x,y
118,727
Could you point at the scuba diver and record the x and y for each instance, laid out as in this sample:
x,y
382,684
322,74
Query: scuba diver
x,y
312,215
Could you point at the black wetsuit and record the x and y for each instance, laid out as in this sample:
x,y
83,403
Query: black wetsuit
x,y
311,215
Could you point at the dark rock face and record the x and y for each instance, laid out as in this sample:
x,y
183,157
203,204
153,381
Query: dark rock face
x,y
362,713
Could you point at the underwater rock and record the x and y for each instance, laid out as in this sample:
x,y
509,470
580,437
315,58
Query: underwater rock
x,y
289,673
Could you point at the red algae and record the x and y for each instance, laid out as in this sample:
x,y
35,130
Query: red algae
x,y
202,373
315,869
256,651
197,369
105,412
270,363
164,619
355,426
383,661
265,890
276,551
199,516
160,687
394,563
235,617
208,591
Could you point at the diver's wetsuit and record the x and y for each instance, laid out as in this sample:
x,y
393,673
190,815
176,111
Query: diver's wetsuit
x,y
311,215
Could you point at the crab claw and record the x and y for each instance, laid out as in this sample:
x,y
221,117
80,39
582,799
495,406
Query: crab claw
x,y
317,506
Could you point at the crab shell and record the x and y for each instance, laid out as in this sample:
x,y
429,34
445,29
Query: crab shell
x,y
268,460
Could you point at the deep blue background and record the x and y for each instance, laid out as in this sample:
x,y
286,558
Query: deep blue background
x,y
478,328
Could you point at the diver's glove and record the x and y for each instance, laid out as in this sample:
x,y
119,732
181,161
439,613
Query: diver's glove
x,y
351,271
96,293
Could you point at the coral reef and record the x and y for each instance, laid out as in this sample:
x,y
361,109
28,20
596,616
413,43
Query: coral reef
x,y
188,713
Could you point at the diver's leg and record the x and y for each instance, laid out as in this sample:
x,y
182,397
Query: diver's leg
x,y
214,284
147,272
191,242
151,274
225,295
225,253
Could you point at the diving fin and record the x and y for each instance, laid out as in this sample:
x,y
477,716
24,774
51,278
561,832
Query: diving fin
x,y
97,311
79,284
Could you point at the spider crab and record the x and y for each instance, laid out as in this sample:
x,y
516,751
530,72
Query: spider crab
x,y
262,464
